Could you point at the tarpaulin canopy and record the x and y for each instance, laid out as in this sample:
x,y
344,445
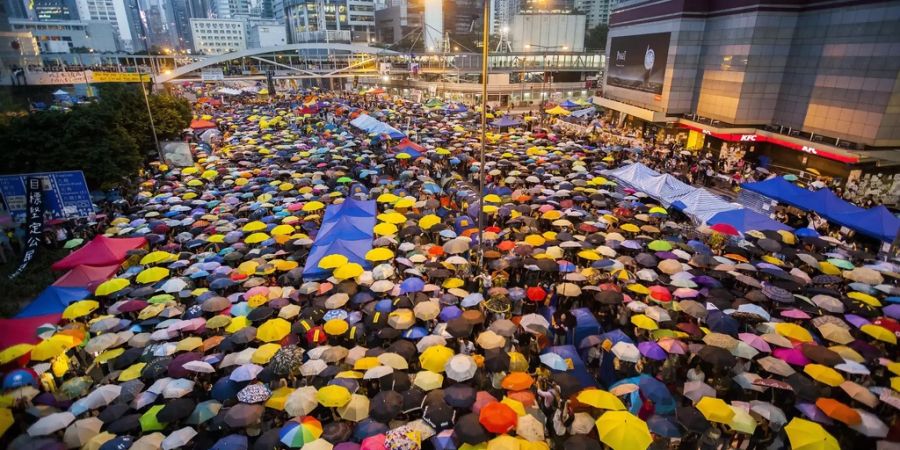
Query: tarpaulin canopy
x,y
569,352
409,147
346,230
583,112
746,219
87,277
506,121
703,205
370,124
569,104
197,124
876,222
101,251
22,330
53,300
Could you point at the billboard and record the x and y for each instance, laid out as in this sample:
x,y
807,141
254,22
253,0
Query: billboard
x,y
66,194
638,62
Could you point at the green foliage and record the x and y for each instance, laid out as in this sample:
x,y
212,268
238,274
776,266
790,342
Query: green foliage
x,y
596,37
108,140
18,292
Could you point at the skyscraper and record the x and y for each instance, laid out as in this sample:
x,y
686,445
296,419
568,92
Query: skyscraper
x,y
124,15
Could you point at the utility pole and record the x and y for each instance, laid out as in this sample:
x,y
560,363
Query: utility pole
x,y
485,43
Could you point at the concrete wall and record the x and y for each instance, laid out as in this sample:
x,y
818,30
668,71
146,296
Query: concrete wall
x,y
547,32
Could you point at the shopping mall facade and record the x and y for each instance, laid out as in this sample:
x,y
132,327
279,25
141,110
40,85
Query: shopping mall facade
x,y
810,84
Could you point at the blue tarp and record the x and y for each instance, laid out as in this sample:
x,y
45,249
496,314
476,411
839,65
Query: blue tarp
x,y
569,104
506,121
410,148
585,325
579,371
746,219
346,230
875,222
370,124
53,300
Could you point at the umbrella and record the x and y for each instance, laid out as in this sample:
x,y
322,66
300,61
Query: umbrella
x,y
806,435
300,431
621,430
51,423
497,418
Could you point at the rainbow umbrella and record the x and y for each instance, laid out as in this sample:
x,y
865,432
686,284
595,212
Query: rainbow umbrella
x,y
300,431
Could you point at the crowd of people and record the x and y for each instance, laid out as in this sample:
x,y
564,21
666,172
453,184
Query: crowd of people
x,y
581,315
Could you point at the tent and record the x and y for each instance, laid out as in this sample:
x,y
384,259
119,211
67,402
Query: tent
x,y
747,219
569,104
583,112
506,121
53,300
370,124
875,222
346,230
702,205
409,147
558,111
579,370
22,331
585,325
87,277
101,251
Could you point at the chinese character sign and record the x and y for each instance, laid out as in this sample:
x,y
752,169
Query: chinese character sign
x,y
34,221
65,194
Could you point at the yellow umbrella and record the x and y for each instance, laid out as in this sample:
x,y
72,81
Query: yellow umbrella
x,y
589,255
865,298
109,355
157,257
638,289
643,322
434,358
352,374
366,363
600,399
385,229
112,286
405,202
379,254
16,351
387,198
793,331
451,283
621,430
428,380
333,396
504,442
133,372
828,268
336,327
285,265
279,398
879,332
313,206
264,353
807,435
237,323
631,228
392,217
254,226
273,330
152,275
282,230
824,374
6,420
189,343
535,240
715,409
348,271
49,348
333,261
426,222
80,309
256,238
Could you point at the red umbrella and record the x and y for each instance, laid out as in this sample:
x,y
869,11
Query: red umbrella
x,y
536,294
724,228
507,246
498,418
316,335
660,294
482,399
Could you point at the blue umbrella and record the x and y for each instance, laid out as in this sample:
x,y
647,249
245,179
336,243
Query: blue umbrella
x,y
657,392
449,313
118,443
722,323
225,389
412,285
18,378
616,336
415,333
662,426
231,442
444,441
367,428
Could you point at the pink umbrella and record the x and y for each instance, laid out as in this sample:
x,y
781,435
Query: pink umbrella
x,y
482,399
373,443
686,293
258,290
791,356
795,314
755,342
545,207
673,346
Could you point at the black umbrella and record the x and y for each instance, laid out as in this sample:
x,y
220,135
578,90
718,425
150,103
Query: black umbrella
x,y
496,360
777,294
340,431
460,395
413,399
609,297
269,440
804,388
717,356
582,442
243,414
692,419
126,359
568,384
403,348
125,424
397,382
259,314
459,327
385,406
438,414
769,245
175,410
156,368
113,412
468,430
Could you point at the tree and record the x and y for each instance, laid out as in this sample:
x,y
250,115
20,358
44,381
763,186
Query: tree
x,y
596,37
171,115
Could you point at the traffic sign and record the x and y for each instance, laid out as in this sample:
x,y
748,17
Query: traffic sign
x,y
66,194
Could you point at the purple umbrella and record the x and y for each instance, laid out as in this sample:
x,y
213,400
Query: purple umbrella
x,y
795,314
755,342
652,350
791,356
892,311
815,414
176,367
857,321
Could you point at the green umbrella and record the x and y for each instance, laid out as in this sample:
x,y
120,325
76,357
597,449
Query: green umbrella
x,y
660,246
76,387
345,180
841,263
204,411
149,421
791,177
72,243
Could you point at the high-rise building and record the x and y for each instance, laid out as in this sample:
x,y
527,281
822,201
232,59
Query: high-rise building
x,y
124,15
217,36
265,33
502,12
397,19
55,9
160,24
597,11
182,13
235,9
330,20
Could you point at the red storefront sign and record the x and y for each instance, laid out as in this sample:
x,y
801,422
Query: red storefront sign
x,y
760,138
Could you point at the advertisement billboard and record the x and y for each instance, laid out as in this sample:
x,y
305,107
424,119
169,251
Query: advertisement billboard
x,y
638,62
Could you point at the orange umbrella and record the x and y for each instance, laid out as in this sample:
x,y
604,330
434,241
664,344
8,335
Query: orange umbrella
x,y
498,418
526,397
517,381
839,411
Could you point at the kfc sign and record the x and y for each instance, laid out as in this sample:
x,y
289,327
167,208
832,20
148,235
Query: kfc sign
x,y
809,150
748,138
758,138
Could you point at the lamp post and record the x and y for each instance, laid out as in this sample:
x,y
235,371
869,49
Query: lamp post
x,y
485,42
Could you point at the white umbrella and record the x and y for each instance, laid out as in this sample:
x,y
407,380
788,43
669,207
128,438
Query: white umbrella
x,y
313,367
430,341
51,423
99,397
152,441
695,390
529,428
534,321
301,402
377,372
626,352
768,411
178,438
871,425
178,388
199,367
460,368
